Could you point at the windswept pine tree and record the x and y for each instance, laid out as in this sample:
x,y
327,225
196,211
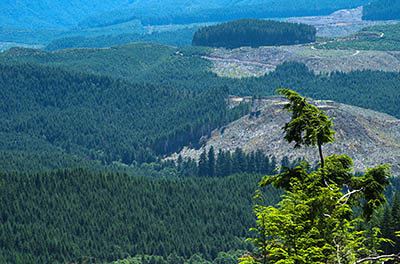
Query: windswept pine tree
x,y
316,222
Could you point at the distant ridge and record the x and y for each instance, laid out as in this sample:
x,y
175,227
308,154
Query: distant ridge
x,y
68,14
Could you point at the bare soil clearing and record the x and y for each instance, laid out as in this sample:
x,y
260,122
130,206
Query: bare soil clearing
x,y
368,137
248,62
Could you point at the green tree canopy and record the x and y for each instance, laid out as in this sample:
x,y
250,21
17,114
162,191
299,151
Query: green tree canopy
x,y
316,222
309,126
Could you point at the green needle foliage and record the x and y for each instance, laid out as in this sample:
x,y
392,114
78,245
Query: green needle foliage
x,y
315,221
309,126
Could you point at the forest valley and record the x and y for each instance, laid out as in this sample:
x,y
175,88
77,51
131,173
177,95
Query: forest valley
x,y
325,214
94,128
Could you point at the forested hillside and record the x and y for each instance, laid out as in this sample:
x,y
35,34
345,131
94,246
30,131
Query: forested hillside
x,y
183,68
88,135
376,90
24,161
382,10
48,109
173,102
254,33
60,216
159,64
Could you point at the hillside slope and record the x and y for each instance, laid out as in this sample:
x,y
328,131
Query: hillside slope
x,y
367,136
134,62
183,68
44,109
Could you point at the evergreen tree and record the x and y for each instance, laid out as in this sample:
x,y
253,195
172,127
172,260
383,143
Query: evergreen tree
x,y
211,162
259,161
285,163
314,222
220,164
272,165
387,229
309,126
251,162
202,165
239,163
396,220
227,165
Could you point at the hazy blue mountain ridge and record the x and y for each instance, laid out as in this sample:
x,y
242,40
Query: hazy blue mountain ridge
x,y
67,14
52,14
183,12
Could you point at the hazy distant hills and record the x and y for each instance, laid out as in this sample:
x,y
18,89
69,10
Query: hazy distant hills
x,y
68,14
184,12
52,14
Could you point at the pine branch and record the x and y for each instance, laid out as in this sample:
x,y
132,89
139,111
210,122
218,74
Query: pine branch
x,y
395,257
347,195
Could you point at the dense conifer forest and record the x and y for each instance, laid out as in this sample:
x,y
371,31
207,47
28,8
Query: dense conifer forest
x,y
254,33
102,118
62,216
121,109
61,15
59,216
139,103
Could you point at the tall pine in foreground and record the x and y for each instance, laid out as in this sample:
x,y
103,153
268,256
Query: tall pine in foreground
x,y
315,221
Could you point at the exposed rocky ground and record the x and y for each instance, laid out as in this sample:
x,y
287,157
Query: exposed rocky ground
x,y
340,23
368,137
246,61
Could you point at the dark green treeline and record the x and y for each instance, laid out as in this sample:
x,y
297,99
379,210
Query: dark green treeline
x,y
254,33
224,163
